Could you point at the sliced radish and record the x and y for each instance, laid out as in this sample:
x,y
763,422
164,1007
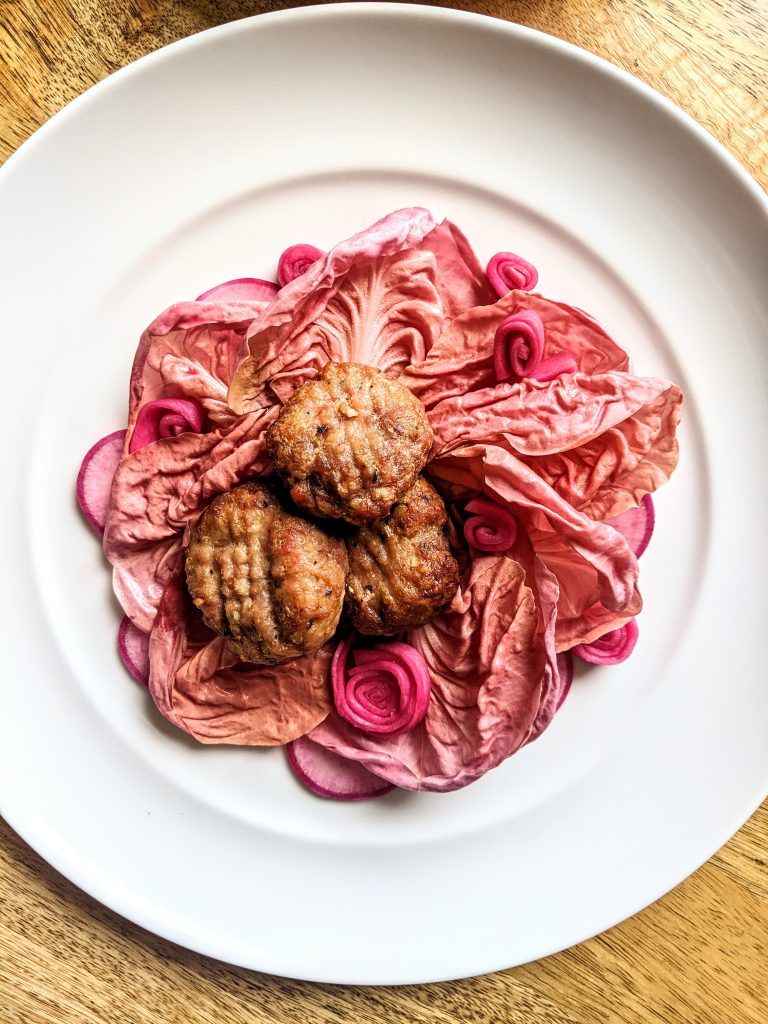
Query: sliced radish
x,y
133,645
295,261
636,525
329,775
612,648
241,289
94,481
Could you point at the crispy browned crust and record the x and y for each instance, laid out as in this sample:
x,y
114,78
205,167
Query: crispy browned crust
x,y
350,442
401,570
269,582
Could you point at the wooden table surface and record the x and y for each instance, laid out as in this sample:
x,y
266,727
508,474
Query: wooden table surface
x,y
698,955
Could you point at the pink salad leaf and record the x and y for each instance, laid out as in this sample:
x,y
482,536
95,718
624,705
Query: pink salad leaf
x,y
190,352
462,360
550,418
461,280
487,659
582,614
497,472
372,299
140,574
619,458
555,693
158,489
199,685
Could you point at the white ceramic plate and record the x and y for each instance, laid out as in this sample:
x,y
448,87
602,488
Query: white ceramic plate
x,y
201,163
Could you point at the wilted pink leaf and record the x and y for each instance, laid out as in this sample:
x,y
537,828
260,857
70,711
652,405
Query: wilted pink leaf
x,y
372,299
158,489
191,351
461,281
487,660
200,686
462,360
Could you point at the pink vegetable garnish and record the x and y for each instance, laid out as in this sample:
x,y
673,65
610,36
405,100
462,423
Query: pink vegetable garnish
x,y
329,775
133,645
386,693
240,289
489,526
611,649
94,481
295,261
509,272
166,417
636,525
518,350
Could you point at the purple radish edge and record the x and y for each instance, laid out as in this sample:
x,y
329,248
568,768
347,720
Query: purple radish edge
x,y
82,473
125,657
210,295
313,787
650,522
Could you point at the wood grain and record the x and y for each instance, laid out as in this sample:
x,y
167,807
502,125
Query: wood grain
x,y
700,954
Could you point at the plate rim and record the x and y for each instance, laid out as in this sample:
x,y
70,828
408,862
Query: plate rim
x,y
36,840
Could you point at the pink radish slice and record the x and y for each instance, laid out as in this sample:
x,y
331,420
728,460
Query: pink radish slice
x,y
565,669
94,481
636,525
241,289
329,775
133,645
612,648
295,261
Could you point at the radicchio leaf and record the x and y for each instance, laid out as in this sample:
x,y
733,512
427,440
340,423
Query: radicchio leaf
x,y
190,351
371,299
200,686
462,360
487,660
158,489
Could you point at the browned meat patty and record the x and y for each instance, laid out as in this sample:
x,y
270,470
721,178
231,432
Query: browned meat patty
x,y
350,442
269,582
401,570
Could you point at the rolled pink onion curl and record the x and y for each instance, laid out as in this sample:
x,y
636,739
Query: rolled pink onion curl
x,y
518,351
509,272
166,417
489,527
387,691
295,261
612,648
